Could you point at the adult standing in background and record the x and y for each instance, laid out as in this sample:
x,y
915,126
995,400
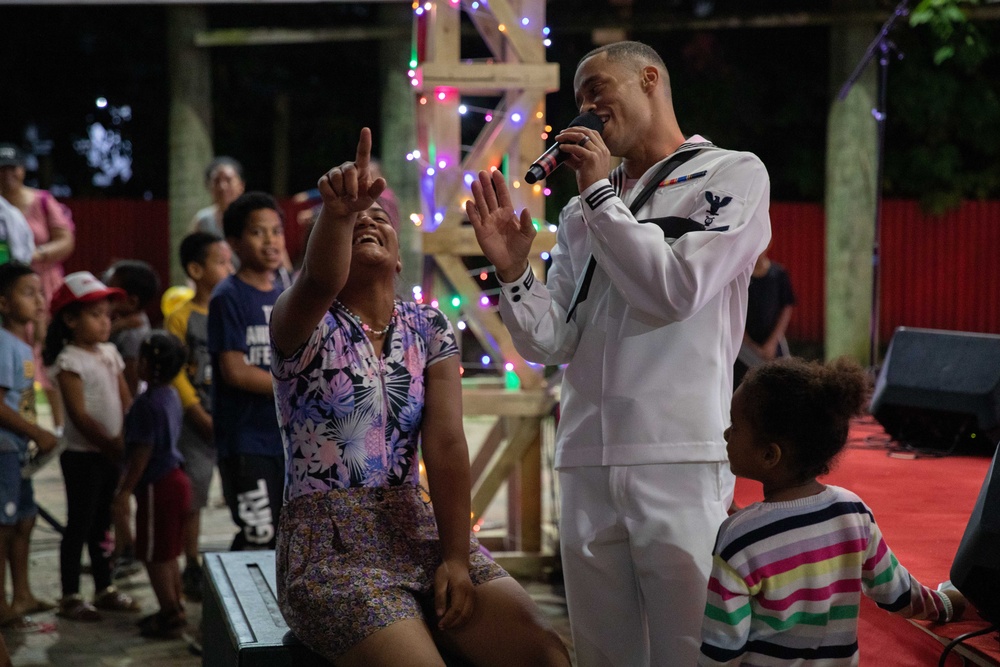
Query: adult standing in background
x,y
55,238
770,301
224,181
649,335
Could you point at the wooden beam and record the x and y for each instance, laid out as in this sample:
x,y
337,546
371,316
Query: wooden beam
x,y
461,242
488,78
456,273
506,402
489,447
272,36
525,565
502,463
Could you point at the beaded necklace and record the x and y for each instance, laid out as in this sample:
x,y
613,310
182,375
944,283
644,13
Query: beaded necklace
x,y
376,333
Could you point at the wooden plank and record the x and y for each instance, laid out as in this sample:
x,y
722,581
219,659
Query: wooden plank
x,y
491,443
507,402
488,78
461,242
503,461
275,36
527,47
458,275
494,140
526,565
524,499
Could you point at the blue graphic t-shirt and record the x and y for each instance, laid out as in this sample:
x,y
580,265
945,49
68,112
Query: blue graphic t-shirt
x,y
349,418
238,316
17,381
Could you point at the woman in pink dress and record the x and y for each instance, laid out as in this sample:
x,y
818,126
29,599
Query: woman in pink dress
x,y
55,239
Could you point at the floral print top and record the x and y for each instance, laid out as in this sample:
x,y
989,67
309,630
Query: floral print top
x,y
349,418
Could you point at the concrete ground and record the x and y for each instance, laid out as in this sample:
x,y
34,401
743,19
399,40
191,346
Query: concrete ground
x,y
115,640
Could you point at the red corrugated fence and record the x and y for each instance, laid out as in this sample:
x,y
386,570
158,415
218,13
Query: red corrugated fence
x,y
937,272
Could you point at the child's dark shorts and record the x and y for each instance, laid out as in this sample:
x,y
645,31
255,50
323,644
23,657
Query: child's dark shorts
x,y
353,561
17,495
160,516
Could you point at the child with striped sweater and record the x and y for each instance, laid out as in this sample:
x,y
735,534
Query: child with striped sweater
x,y
788,572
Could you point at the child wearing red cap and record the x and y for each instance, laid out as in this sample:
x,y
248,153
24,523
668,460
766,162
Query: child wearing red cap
x,y
88,371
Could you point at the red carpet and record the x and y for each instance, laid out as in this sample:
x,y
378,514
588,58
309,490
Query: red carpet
x,y
922,505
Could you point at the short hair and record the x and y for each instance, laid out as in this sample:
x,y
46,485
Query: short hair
x,y
165,355
222,161
194,247
636,53
136,277
805,407
237,214
10,273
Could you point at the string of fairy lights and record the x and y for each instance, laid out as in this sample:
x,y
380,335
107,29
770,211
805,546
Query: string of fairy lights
x,y
435,162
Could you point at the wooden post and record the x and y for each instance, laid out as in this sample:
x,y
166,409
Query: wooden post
x,y
190,129
851,175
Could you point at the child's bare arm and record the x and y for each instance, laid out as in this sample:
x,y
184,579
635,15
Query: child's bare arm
x,y
11,420
236,372
124,392
199,419
135,464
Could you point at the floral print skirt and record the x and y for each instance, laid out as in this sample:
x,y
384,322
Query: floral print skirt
x,y
353,561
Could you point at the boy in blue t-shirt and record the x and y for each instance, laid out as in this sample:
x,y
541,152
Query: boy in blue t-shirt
x,y
21,302
251,457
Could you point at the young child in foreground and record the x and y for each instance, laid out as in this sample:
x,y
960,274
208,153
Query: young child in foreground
x,y
153,472
788,572
22,302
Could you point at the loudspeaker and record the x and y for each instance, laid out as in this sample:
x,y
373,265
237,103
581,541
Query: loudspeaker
x,y
937,388
976,568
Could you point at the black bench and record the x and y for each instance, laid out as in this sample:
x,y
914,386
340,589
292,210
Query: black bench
x,y
240,623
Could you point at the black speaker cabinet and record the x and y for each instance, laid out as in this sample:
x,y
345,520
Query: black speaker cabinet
x,y
939,388
976,568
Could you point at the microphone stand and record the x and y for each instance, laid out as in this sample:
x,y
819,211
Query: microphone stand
x,y
883,46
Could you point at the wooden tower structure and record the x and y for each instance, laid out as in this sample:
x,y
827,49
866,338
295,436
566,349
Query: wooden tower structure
x,y
513,133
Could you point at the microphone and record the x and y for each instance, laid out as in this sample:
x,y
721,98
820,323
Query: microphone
x,y
552,158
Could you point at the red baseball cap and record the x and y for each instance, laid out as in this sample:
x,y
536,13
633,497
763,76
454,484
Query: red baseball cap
x,y
83,287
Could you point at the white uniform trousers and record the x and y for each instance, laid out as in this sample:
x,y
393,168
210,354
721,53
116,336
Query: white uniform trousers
x,y
636,547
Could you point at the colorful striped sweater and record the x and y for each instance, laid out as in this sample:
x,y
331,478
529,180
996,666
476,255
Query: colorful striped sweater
x,y
787,579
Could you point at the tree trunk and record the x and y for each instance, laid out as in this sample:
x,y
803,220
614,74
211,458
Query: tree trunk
x,y
190,129
851,175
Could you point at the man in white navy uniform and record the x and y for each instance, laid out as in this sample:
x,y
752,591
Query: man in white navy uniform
x,y
649,336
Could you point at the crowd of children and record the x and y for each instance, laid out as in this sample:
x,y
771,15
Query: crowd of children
x,y
146,417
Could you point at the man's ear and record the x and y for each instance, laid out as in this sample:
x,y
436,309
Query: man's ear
x,y
650,77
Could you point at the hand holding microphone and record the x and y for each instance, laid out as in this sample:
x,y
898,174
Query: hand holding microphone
x,y
555,156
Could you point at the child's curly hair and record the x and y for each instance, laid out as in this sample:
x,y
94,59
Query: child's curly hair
x,y
805,407
165,355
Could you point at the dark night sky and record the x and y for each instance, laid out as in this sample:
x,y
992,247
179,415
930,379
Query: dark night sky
x,y
763,90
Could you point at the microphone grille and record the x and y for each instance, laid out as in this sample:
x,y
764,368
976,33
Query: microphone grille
x,y
589,120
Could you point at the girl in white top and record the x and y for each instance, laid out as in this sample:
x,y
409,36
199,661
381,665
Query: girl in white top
x,y
88,371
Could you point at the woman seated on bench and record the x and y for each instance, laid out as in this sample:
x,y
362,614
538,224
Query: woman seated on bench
x,y
368,572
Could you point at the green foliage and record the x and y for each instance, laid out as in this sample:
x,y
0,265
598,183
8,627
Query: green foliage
x,y
959,39
943,134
